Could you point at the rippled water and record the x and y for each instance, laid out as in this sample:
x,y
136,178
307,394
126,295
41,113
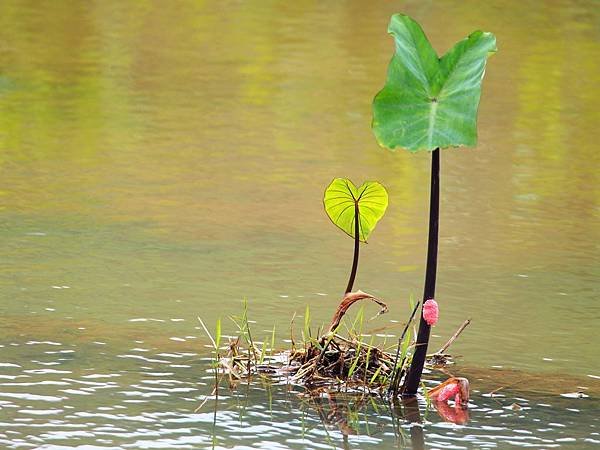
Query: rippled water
x,y
159,163
58,397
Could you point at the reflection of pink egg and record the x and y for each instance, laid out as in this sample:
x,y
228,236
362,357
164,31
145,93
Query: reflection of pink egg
x,y
431,312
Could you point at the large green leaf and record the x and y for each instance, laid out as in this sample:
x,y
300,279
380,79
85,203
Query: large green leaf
x,y
342,198
430,102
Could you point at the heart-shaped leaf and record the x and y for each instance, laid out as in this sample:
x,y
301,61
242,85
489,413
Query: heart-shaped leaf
x,y
430,102
342,200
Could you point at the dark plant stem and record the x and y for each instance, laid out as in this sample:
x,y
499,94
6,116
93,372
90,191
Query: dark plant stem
x,y
413,379
356,248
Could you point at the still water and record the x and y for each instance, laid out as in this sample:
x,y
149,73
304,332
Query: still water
x,y
160,162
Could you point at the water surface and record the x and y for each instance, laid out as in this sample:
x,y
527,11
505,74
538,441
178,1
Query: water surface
x,y
162,163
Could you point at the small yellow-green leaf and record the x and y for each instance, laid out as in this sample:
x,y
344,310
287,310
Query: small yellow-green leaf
x,y
343,199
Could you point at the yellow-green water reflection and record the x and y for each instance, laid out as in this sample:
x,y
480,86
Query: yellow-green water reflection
x,y
167,160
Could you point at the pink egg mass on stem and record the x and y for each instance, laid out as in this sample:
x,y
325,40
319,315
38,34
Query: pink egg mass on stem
x,y
431,312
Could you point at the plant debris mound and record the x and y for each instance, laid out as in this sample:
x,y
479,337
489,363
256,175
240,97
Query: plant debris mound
x,y
352,364
330,362
336,360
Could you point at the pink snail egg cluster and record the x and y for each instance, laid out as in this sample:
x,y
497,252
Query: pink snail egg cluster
x,y
431,312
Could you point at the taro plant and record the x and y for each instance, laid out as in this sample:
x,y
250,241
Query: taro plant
x,y
427,104
355,211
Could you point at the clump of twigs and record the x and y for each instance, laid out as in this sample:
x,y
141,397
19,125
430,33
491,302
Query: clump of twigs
x,y
330,361
333,360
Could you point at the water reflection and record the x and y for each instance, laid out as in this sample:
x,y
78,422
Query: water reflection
x,y
513,419
411,413
64,396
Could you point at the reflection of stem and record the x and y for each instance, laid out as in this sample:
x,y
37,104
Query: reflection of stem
x,y
214,439
338,415
356,248
346,442
413,379
397,417
413,415
322,417
407,409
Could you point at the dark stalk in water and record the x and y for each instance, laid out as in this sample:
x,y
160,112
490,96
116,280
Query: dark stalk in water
x,y
404,118
413,379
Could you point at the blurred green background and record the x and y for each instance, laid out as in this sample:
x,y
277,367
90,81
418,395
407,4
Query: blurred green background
x,y
160,161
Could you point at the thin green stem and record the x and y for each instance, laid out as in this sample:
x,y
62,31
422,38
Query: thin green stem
x,y
356,248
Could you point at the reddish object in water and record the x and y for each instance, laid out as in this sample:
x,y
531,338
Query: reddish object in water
x,y
456,414
453,387
431,312
448,391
